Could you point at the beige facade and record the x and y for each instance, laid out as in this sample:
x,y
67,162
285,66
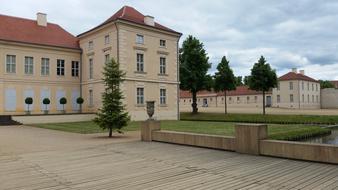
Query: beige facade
x,y
329,98
299,94
19,82
145,50
123,47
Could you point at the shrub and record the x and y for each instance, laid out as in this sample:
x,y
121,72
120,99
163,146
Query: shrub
x,y
29,101
46,102
63,101
79,100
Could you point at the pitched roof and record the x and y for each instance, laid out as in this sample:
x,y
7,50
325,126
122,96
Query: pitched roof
x,y
22,30
130,14
296,76
240,91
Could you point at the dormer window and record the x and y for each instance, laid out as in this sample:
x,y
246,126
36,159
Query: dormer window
x,y
162,43
90,45
139,39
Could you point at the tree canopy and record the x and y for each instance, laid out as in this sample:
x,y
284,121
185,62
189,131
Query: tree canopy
x,y
326,84
225,79
194,67
262,78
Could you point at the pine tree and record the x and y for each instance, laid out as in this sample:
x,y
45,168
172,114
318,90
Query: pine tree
x,y
194,67
112,115
262,78
225,80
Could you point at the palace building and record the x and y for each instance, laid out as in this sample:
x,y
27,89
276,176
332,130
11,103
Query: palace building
x,y
42,60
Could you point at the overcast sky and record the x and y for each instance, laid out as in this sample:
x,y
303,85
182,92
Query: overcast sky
x,y
289,33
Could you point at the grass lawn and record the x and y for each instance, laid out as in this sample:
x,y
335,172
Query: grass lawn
x,y
259,118
276,131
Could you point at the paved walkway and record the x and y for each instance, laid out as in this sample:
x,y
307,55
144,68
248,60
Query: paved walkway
x,y
32,158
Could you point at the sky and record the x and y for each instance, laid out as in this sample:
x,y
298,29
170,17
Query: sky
x,y
299,34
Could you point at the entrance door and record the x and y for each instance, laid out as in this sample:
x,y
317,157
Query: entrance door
x,y
268,101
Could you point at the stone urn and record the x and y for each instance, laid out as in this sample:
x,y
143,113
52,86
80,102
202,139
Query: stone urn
x,y
150,109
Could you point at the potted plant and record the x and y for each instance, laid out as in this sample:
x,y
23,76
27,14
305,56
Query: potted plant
x,y
63,101
46,102
29,101
80,101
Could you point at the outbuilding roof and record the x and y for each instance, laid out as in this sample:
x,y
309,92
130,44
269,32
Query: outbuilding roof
x,y
296,76
23,30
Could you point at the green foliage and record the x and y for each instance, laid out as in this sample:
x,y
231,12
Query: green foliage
x,y
257,118
224,79
29,100
79,100
112,115
326,84
262,78
239,81
193,68
46,101
63,100
246,80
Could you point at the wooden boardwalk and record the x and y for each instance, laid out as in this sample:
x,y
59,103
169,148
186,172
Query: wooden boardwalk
x,y
141,165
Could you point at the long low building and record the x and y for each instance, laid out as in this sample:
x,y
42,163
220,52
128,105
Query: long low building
x,y
241,97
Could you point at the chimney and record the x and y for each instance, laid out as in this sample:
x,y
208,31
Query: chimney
x,y
302,72
294,70
149,20
41,19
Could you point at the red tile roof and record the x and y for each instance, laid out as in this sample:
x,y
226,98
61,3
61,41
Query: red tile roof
x,y
22,30
130,14
240,91
335,83
296,76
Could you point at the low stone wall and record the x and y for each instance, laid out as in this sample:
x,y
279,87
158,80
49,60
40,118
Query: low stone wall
x,y
300,151
249,139
329,98
34,119
193,139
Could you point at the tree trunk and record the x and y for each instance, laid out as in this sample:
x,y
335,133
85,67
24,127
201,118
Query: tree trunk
x,y
110,132
225,102
263,102
194,103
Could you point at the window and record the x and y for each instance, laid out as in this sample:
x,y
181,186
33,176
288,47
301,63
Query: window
x,y
163,96
278,98
237,98
317,99
316,87
60,67
139,39
29,65
45,66
291,85
140,96
75,68
90,45
248,98
303,99
313,98
313,88
162,43
162,65
91,71
91,98
291,98
255,99
278,86
106,39
10,63
140,62
107,58
302,85
308,86
308,98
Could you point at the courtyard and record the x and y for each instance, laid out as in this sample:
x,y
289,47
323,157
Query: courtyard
x,y
35,158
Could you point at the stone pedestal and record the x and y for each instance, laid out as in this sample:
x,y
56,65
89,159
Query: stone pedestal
x,y
248,137
147,128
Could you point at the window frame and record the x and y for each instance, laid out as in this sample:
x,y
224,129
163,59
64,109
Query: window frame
x,y
291,98
107,39
91,98
45,66
139,39
163,65
75,68
90,45
10,64
140,62
140,96
163,96
163,43
91,68
29,65
60,67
